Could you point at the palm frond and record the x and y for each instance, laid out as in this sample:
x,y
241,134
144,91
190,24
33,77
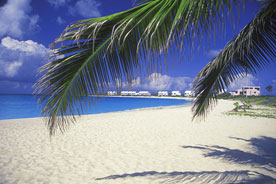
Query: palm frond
x,y
100,51
250,51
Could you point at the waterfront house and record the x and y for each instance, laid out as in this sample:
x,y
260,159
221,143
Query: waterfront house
x,y
236,93
111,93
251,90
163,93
176,93
189,93
247,91
144,93
129,93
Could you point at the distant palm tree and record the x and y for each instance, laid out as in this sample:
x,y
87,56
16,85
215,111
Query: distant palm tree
x,y
100,51
269,88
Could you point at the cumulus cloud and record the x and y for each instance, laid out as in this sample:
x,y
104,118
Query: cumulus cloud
x,y
243,80
60,20
157,81
58,3
86,8
20,60
9,69
213,53
29,47
17,20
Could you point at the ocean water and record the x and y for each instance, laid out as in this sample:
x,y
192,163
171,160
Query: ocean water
x,y
25,106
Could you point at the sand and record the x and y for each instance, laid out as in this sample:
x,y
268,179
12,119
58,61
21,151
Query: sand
x,y
158,145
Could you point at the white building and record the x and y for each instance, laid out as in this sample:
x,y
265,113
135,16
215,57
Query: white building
x,y
189,93
129,93
124,93
163,93
111,93
133,93
144,93
236,93
251,90
176,93
247,91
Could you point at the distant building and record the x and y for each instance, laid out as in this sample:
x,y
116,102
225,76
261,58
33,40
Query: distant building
x,y
144,93
176,93
236,93
163,93
124,93
129,93
251,90
189,93
133,93
111,93
247,91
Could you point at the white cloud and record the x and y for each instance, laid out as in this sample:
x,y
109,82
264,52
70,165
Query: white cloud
x,y
157,81
86,8
9,69
274,81
60,20
19,60
30,47
16,19
58,3
243,80
213,53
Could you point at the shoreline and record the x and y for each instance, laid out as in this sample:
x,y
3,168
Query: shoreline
x,y
128,110
161,97
143,108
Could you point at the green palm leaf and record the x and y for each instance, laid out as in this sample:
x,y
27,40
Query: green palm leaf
x,y
250,51
100,51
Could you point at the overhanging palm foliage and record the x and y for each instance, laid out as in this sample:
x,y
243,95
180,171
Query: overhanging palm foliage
x,y
101,51
248,52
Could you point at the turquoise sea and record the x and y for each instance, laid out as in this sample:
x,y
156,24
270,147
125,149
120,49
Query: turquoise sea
x,y
25,106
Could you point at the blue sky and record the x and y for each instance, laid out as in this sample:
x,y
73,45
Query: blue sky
x,y
27,27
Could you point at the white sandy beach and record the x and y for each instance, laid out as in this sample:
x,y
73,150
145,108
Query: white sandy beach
x,y
141,146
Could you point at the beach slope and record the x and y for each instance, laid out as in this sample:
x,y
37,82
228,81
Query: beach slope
x,y
160,145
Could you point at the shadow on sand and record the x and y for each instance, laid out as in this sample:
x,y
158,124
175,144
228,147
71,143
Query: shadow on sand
x,y
243,176
264,157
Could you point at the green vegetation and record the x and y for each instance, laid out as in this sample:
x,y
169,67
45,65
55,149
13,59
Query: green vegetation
x,y
237,106
255,112
246,103
263,106
269,101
